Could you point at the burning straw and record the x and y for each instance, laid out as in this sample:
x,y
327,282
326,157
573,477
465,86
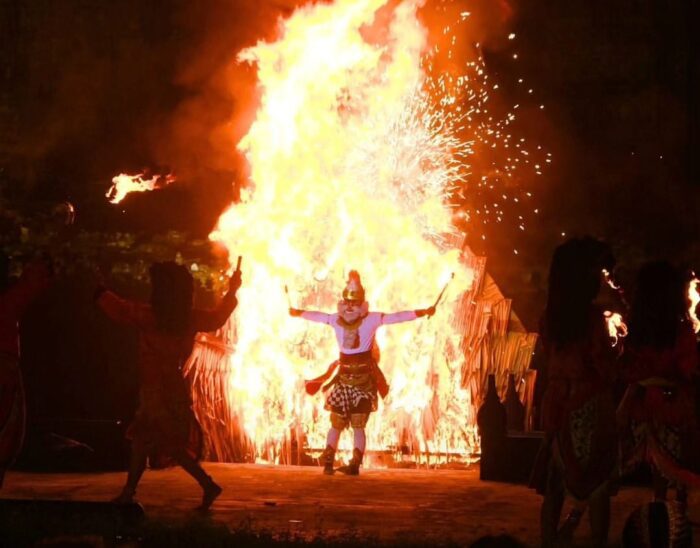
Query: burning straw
x,y
353,159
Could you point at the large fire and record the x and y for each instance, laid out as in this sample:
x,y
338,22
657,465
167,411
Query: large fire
x,y
349,167
359,157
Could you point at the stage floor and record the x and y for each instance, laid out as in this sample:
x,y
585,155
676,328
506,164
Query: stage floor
x,y
391,505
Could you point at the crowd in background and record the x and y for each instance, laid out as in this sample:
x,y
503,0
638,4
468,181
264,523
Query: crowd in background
x,y
610,405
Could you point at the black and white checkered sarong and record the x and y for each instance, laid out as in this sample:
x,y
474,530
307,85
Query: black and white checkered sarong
x,y
345,399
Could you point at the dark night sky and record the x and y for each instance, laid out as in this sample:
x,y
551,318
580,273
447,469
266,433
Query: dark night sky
x,y
92,88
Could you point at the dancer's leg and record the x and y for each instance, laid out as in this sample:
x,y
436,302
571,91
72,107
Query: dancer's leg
x,y
360,439
358,422
599,515
333,438
137,465
211,489
338,424
552,504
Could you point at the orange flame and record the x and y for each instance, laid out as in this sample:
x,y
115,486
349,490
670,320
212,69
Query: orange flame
x,y
349,169
694,296
617,328
124,184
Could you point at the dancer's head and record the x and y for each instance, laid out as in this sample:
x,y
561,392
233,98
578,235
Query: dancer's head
x,y
660,305
172,291
353,304
574,282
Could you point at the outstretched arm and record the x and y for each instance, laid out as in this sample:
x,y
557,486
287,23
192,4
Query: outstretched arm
x,y
119,310
406,316
310,315
211,320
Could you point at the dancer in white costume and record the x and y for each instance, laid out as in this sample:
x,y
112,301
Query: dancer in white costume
x,y
354,388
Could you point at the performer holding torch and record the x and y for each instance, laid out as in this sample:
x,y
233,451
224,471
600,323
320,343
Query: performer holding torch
x,y
167,328
354,389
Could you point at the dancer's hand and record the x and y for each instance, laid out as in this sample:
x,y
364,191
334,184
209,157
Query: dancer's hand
x,y
425,312
235,281
295,312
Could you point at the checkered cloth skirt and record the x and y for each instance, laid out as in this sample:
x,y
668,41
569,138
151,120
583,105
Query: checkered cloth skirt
x,y
345,399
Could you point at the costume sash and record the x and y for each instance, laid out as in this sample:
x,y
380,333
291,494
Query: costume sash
x,y
314,385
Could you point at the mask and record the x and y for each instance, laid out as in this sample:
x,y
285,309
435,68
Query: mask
x,y
351,311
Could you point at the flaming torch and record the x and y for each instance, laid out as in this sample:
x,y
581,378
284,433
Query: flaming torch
x,y
617,328
124,184
694,297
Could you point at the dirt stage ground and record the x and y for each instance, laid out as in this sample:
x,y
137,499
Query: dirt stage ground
x,y
388,505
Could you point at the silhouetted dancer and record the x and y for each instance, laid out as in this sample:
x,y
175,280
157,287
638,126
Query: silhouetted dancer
x,y
578,412
167,327
355,387
658,410
14,301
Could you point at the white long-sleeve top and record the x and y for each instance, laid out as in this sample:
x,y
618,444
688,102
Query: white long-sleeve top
x,y
366,330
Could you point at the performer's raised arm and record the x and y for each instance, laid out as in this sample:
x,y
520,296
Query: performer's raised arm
x,y
211,320
311,315
120,310
406,315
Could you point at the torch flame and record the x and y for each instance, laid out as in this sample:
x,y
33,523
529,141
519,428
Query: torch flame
x,y
123,184
617,328
694,296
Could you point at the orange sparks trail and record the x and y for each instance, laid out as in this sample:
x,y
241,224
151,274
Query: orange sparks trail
x,y
124,184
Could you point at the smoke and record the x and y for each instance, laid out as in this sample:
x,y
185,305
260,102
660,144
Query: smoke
x,y
199,137
219,93
156,86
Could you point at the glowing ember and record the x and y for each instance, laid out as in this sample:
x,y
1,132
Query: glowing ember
x,y
123,184
694,296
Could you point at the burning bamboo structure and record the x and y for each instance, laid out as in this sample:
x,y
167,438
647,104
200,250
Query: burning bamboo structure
x,y
493,341
358,151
